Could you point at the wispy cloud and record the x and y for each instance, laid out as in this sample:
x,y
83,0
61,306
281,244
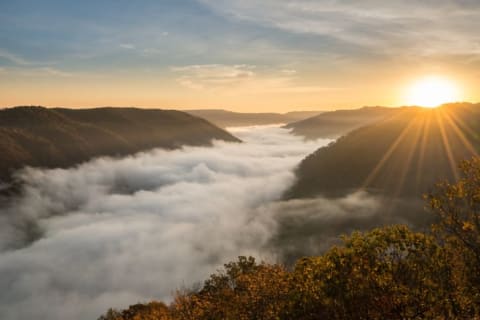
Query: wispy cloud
x,y
244,78
32,71
127,46
213,75
13,58
441,26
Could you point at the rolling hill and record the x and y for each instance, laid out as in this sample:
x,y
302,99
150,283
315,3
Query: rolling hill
x,y
337,123
224,118
37,136
402,155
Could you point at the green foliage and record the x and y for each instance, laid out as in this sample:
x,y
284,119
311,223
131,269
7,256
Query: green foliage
x,y
387,273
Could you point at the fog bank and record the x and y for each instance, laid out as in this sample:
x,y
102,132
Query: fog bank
x,y
113,232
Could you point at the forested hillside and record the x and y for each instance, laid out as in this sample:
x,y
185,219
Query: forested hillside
x,y
402,155
37,136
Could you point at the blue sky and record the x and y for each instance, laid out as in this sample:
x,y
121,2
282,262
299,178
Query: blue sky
x,y
237,54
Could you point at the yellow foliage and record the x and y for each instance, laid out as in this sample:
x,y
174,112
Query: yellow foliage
x,y
387,273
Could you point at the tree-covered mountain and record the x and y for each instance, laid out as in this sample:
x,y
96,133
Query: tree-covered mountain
x,y
337,123
37,136
224,118
401,155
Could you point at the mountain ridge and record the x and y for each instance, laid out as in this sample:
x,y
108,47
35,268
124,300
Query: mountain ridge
x,y
61,137
225,118
333,124
415,147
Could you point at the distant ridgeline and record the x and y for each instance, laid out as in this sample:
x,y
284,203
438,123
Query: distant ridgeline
x,y
403,154
224,118
37,136
337,123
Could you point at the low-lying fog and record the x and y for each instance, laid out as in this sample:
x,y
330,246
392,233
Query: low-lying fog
x,y
113,232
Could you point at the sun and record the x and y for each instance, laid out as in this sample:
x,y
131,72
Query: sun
x,y
432,91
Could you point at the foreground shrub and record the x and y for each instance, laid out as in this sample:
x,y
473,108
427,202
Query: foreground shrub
x,y
244,290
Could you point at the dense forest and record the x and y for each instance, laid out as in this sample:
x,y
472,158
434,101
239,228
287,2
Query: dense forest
x,y
386,273
402,155
37,136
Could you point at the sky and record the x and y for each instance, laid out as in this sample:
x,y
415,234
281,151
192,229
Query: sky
x,y
240,55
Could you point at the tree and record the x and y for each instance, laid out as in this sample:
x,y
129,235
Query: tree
x,y
390,272
244,290
151,311
457,207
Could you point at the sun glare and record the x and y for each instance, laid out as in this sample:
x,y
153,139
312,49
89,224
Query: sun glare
x,y
432,91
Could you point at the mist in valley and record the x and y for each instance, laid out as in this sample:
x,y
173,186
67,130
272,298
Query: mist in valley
x,y
115,231
111,232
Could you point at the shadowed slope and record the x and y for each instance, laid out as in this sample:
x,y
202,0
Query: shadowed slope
x,y
403,155
37,136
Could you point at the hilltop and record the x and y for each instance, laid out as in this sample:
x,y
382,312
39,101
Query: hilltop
x,y
42,137
337,123
401,155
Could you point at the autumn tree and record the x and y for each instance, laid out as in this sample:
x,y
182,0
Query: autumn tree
x,y
150,311
389,272
244,290
457,207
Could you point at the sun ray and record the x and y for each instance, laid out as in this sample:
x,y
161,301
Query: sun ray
x,y
448,116
387,155
425,127
416,124
465,126
446,145
410,155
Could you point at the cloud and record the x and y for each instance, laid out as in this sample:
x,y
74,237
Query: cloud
x,y
307,227
13,58
28,68
429,27
213,75
288,71
128,46
243,78
36,72
112,232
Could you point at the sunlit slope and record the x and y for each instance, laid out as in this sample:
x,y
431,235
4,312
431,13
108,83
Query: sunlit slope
x,y
337,123
44,137
403,155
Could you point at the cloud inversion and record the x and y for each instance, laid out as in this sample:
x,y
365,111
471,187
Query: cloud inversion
x,y
113,232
